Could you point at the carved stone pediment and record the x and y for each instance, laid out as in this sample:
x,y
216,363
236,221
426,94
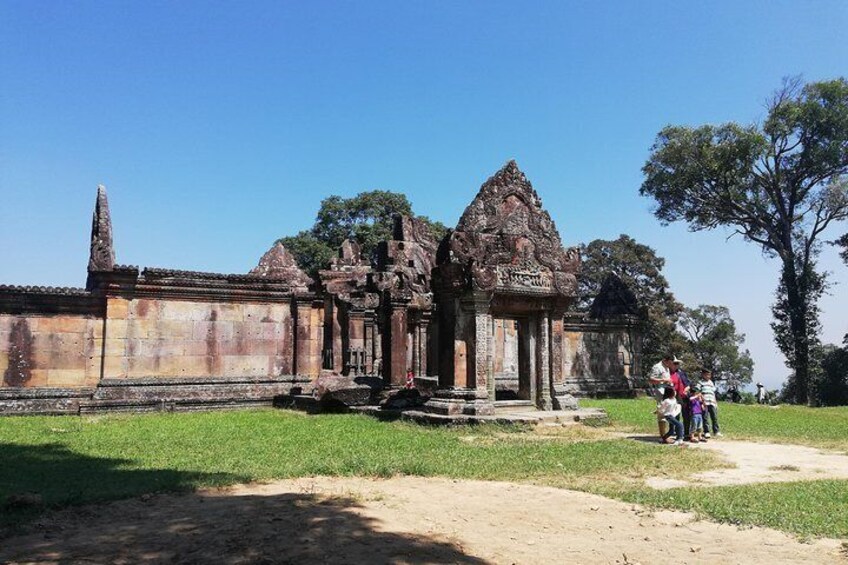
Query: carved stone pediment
x,y
505,240
279,264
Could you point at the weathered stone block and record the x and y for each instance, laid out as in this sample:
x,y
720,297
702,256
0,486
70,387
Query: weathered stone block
x,y
38,377
144,308
66,377
339,391
215,331
114,347
114,367
186,311
175,329
256,312
145,328
199,347
228,312
117,308
57,358
245,365
116,329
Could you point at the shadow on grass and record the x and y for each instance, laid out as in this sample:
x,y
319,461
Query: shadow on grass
x,y
645,438
34,478
203,527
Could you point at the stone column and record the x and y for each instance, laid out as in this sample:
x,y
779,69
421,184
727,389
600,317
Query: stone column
x,y
416,349
544,363
557,377
423,322
368,342
482,345
490,370
316,338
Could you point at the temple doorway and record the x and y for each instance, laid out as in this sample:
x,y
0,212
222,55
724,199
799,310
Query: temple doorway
x,y
511,359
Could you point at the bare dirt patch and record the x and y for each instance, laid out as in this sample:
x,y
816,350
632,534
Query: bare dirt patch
x,y
398,520
761,463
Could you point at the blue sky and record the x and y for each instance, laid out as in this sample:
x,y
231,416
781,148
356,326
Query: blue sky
x,y
219,126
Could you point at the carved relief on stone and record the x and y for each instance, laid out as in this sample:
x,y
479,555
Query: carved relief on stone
x,y
505,240
405,264
102,254
350,255
278,263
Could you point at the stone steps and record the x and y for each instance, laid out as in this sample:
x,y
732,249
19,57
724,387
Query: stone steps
x,y
510,406
587,416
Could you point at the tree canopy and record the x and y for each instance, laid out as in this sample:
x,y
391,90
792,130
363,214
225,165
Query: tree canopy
x,y
714,343
780,184
366,218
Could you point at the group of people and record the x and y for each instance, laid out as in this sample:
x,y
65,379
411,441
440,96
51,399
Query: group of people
x,y
685,410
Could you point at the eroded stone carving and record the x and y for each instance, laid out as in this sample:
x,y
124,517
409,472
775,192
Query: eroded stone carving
x,y
278,263
102,254
505,240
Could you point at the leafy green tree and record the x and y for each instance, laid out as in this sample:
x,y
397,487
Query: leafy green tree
x,y
779,184
366,218
640,269
311,253
843,242
833,386
713,342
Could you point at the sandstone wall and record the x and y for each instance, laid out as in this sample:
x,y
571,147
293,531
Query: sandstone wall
x,y
50,350
151,337
600,360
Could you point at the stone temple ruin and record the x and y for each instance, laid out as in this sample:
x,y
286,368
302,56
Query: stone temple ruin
x,y
483,319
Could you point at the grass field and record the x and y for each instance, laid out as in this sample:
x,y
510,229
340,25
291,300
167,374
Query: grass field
x,y
77,460
74,460
818,427
816,508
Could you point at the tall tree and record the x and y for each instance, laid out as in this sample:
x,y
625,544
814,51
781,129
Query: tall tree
x,y
640,269
714,343
779,184
366,218
843,242
833,386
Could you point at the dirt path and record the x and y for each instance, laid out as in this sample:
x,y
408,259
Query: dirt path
x,y
399,520
762,463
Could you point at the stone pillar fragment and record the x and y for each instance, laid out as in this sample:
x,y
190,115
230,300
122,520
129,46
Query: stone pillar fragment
x,y
544,363
356,364
423,322
302,338
395,345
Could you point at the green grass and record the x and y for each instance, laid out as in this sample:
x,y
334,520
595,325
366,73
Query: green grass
x,y
810,508
77,460
819,427
74,460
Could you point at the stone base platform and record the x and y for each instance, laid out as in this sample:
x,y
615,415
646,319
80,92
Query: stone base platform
x,y
588,416
46,400
152,395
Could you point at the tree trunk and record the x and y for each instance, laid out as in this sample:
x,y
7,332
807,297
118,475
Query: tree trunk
x,y
798,304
